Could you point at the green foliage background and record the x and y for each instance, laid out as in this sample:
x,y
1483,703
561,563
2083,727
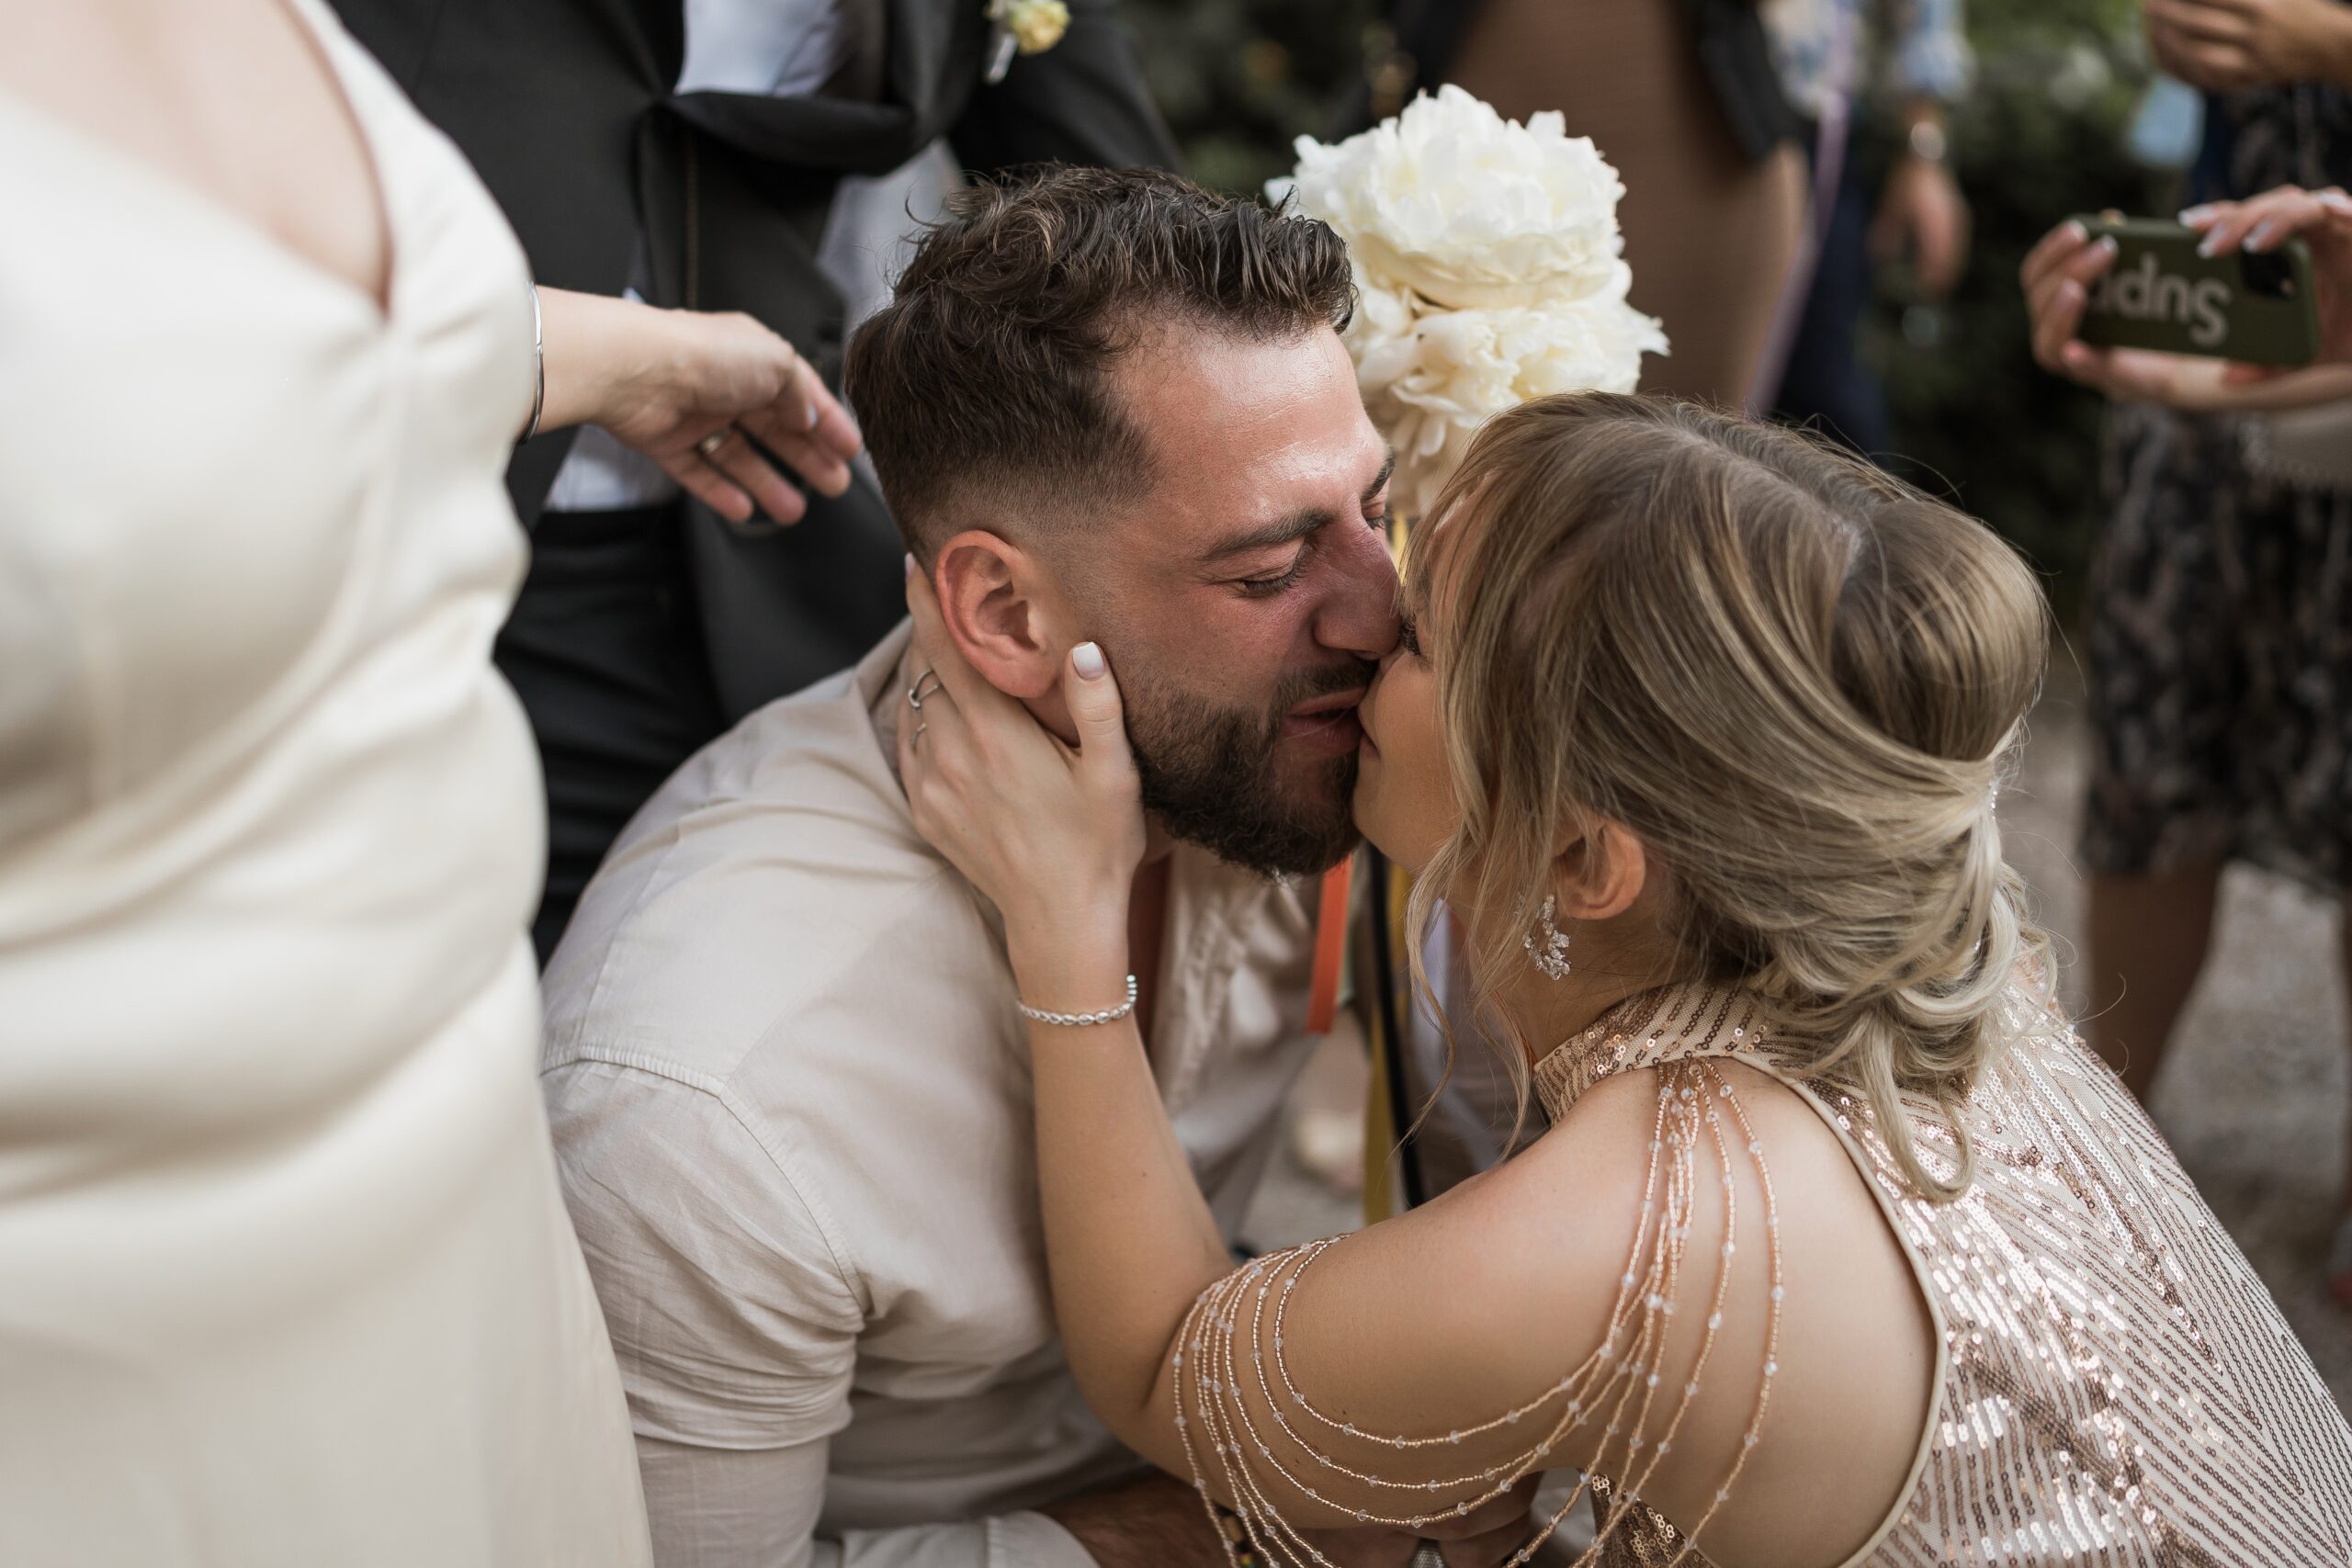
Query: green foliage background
x,y
2040,137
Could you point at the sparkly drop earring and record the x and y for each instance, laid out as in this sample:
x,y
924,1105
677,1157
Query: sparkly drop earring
x,y
1551,959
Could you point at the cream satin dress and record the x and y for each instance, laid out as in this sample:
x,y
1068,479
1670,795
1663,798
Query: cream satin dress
x,y
285,1275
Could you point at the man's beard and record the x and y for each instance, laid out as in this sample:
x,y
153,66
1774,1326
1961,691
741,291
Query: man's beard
x,y
1209,774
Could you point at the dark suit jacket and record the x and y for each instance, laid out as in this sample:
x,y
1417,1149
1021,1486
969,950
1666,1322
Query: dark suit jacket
x,y
568,111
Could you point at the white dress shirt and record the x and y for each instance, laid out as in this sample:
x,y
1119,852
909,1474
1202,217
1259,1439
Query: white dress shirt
x,y
790,1097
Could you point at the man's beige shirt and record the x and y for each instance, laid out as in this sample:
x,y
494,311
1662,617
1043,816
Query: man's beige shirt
x,y
791,1104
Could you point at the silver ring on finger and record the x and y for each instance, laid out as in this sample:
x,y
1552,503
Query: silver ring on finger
x,y
709,445
927,684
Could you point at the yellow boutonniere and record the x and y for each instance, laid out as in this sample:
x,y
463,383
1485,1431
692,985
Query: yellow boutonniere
x,y
1032,26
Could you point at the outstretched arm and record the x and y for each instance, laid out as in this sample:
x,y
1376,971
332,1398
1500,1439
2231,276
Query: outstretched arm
x,y
2060,271
1129,1255
665,382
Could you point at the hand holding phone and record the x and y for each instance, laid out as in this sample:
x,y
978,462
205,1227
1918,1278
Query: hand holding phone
x,y
2320,220
2161,339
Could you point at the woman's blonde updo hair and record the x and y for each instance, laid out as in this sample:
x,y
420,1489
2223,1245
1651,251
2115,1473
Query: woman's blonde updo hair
x,y
1794,679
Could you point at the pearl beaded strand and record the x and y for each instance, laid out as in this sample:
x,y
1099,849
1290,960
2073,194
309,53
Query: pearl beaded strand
x,y
1620,1378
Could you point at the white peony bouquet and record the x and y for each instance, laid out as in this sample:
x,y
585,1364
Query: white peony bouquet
x,y
1489,269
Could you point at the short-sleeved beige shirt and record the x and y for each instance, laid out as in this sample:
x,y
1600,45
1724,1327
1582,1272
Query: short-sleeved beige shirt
x,y
790,1097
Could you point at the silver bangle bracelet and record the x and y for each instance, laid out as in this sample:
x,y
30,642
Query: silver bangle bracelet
x,y
539,359
1080,1019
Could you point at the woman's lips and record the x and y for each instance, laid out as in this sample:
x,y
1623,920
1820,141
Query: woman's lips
x,y
1327,725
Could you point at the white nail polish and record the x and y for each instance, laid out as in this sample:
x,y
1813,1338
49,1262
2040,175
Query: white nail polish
x,y
1087,659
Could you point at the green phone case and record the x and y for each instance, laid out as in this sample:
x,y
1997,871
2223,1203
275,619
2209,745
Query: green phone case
x,y
2160,294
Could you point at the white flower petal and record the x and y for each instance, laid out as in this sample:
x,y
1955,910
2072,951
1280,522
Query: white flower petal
x,y
1489,270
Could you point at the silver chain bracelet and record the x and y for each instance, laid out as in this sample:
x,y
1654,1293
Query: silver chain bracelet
x,y
539,362
1080,1019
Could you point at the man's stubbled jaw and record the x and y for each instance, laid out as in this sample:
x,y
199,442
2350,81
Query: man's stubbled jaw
x,y
1220,777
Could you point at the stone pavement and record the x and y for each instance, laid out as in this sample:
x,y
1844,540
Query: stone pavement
x,y
2254,1097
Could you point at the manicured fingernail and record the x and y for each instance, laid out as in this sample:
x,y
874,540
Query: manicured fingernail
x,y
2265,234
2076,233
2336,201
910,563
815,414
2210,245
2193,215
1087,660
2108,245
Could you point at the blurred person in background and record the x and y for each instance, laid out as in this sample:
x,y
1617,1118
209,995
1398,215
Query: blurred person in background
x,y
285,1278
689,152
2219,603
1917,212
1680,95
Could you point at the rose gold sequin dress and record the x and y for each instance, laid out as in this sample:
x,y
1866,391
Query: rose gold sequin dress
x,y
2114,1385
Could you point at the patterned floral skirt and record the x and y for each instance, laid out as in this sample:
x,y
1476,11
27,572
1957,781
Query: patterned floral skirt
x,y
2220,601
2220,660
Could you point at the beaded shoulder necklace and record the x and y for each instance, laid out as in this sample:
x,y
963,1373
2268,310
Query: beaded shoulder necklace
x,y
1251,1432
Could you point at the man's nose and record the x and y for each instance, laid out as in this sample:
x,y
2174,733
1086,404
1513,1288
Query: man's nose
x,y
1359,613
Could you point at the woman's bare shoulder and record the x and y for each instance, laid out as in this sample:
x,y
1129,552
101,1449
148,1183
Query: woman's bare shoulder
x,y
1789,1262
1643,1221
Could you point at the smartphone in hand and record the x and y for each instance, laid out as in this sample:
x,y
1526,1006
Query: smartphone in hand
x,y
2256,309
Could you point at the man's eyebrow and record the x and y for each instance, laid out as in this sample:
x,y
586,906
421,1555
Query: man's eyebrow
x,y
1299,524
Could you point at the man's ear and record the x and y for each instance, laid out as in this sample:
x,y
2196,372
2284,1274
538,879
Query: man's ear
x,y
1599,872
1005,612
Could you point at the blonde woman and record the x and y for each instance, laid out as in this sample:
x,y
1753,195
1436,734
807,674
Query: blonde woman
x,y
1838,1247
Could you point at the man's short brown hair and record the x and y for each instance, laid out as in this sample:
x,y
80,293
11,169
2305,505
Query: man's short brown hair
x,y
987,377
